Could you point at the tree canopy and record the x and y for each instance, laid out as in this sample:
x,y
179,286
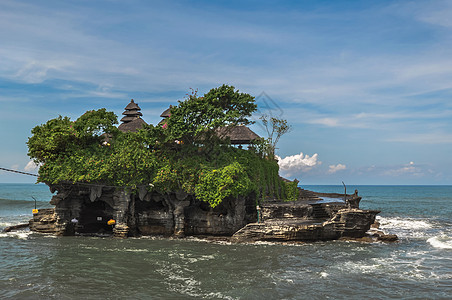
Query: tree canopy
x,y
196,117
164,158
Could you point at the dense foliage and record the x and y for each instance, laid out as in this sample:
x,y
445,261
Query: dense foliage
x,y
195,118
181,154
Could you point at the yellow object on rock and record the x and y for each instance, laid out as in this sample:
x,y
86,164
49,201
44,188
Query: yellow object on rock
x,y
111,222
35,211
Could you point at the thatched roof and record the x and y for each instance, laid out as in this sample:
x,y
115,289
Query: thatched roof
x,y
128,119
131,120
167,112
237,134
132,106
133,125
132,113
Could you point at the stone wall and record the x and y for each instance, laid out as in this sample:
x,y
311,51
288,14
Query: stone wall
x,y
86,210
286,210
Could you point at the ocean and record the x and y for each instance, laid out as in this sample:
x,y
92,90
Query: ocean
x,y
419,266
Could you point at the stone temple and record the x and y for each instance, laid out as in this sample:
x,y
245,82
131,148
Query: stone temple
x,y
86,209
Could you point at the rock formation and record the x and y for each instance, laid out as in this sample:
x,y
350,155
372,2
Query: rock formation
x,y
307,222
86,210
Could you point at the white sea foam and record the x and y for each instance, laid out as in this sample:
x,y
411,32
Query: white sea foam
x,y
406,227
403,223
5,224
183,282
354,267
49,236
135,250
442,242
206,240
21,234
393,266
324,274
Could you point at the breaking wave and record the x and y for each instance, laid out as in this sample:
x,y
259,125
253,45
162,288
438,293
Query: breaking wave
x,y
20,234
404,223
441,242
407,227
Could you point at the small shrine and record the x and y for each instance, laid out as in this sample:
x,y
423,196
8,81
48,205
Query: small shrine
x,y
238,135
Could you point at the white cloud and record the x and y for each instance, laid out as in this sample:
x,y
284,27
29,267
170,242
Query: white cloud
x,y
290,165
334,168
407,169
31,166
329,122
437,14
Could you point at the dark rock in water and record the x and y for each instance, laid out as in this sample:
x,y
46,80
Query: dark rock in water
x,y
388,238
353,223
44,221
310,220
15,227
375,225
383,237
364,239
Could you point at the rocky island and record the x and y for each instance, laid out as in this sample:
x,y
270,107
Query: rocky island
x,y
186,176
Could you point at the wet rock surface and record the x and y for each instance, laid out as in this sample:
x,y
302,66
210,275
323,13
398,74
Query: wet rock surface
x,y
352,223
44,221
86,211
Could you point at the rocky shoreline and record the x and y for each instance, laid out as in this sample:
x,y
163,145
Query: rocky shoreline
x,y
309,219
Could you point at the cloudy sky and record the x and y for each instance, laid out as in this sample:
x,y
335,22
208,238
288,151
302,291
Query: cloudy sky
x,y
366,85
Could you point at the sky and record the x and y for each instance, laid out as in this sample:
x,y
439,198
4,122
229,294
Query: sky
x,y
365,85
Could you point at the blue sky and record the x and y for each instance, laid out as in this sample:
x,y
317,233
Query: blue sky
x,y
366,85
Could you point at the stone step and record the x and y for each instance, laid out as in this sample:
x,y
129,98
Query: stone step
x,y
319,212
121,231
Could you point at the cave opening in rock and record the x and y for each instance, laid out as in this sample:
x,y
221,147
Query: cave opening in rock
x,y
94,217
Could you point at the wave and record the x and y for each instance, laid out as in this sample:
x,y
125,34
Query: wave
x,y
417,228
435,232
19,234
6,221
3,225
441,242
180,281
404,223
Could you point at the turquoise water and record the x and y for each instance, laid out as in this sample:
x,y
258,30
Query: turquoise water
x,y
34,266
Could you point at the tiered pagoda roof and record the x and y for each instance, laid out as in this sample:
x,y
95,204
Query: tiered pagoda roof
x,y
132,120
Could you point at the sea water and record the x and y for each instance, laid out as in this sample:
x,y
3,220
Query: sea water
x,y
419,266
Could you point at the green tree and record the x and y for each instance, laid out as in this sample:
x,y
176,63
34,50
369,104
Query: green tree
x,y
196,118
52,139
75,151
94,123
275,128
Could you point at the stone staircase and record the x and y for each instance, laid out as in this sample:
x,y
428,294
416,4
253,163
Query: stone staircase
x,y
120,231
319,212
